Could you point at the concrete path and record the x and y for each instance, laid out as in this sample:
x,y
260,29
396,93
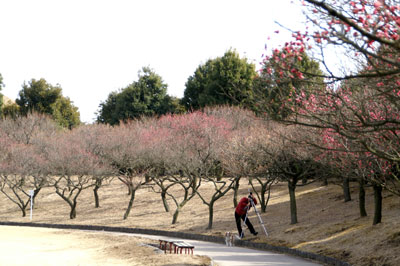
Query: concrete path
x,y
237,256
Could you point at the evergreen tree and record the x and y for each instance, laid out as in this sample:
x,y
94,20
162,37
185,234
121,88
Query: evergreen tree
x,y
145,97
40,96
223,80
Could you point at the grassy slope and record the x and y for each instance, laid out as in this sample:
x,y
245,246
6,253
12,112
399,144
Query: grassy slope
x,y
326,225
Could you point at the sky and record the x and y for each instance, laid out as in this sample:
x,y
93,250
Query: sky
x,y
94,47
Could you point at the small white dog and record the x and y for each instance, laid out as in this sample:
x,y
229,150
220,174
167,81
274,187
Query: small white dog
x,y
229,239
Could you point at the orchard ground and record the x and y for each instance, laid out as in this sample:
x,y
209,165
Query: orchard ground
x,y
327,225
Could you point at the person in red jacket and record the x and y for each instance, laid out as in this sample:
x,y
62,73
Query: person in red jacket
x,y
240,213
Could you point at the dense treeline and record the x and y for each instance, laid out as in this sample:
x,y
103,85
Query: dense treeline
x,y
218,145
228,79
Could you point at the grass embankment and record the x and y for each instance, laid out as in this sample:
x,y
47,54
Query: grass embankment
x,y
326,225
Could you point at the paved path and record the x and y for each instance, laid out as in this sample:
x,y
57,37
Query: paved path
x,y
237,256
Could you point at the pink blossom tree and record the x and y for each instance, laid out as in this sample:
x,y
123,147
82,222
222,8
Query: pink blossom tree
x,y
21,167
93,137
23,129
125,149
21,173
245,156
262,151
361,102
295,162
71,166
159,146
366,167
241,120
191,155
202,145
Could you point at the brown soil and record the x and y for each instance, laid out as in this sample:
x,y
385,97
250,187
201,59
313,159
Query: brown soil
x,y
326,225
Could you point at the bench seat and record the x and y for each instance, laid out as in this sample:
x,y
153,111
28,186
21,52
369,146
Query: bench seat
x,y
178,246
181,245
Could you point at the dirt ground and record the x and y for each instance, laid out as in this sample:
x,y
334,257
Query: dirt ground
x,y
42,247
327,225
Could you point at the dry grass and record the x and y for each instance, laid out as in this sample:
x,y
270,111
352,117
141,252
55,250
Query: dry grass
x,y
326,225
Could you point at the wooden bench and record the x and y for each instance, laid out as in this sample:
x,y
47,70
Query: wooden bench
x,y
181,245
178,245
166,244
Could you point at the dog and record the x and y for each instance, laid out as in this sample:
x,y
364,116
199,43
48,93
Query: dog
x,y
229,240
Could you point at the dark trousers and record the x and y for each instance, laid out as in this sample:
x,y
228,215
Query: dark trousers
x,y
239,223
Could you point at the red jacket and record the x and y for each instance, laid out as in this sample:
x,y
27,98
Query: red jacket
x,y
242,207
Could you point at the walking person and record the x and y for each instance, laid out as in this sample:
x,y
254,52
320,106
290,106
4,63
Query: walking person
x,y
241,213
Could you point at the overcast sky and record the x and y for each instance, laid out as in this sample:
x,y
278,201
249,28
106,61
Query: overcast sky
x,y
94,47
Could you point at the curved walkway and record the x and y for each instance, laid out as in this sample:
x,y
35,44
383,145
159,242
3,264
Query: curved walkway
x,y
209,246
237,256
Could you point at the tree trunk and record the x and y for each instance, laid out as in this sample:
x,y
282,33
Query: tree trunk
x,y
346,189
164,200
236,191
176,214
210,214
361,198
293,206
378,204
23,207
35,193
262,201
96,196
268,197
72,214
72,203
132,198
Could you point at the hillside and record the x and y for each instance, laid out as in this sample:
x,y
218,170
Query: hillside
x,y
326,225
7,101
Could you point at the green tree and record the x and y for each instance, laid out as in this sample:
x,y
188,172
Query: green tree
x,y
65,113
223,80
145,97
39,96
42,97
276,88
107,113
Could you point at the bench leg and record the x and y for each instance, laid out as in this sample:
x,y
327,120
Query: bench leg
x,y
163,247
